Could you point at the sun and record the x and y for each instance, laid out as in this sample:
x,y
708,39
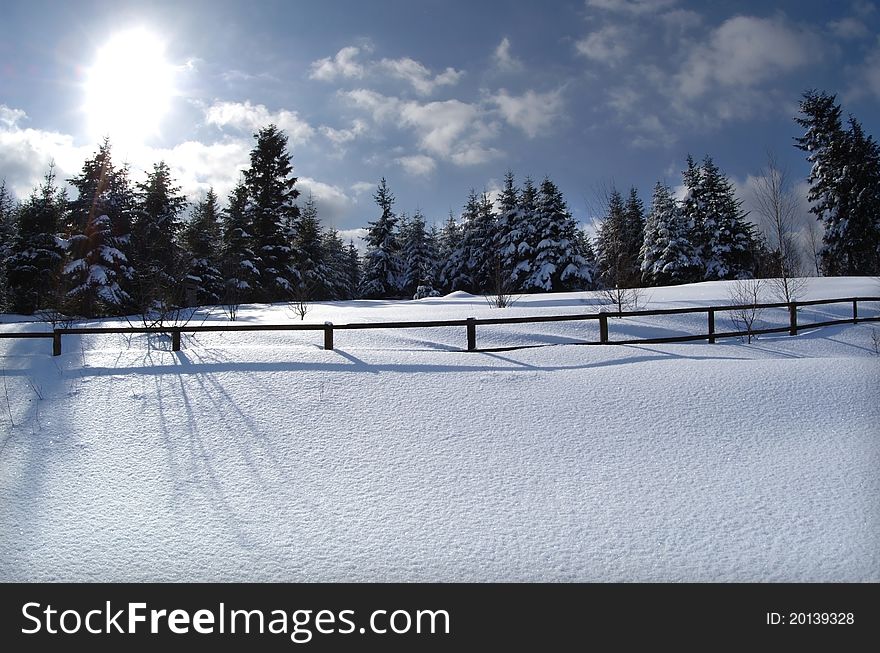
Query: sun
x,y
129,87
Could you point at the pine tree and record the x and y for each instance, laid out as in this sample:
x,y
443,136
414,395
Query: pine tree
x,y
202,240
478,241
238,261
453,273
353,270
613,256
692,213
34,266
271,208
309,253
844,186
634,212
334,266
8,229
668,255
380,275
99,274
728,234
558,263
418,255
158,260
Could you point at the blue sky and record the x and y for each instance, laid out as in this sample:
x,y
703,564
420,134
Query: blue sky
x,y
438,97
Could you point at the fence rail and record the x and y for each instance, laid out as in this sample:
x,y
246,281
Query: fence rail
x,y
328,328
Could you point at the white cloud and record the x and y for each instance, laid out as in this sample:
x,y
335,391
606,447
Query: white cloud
x,y
631,6
531,112
418,165
451,130
743,52
361,187
381,106
340,137
505,61
245,116
418,75
849,28
341,65
357,235
867,76
607,45
333,202
11,117
346,66
25,154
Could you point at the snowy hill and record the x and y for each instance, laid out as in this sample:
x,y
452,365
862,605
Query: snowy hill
x,y
399,457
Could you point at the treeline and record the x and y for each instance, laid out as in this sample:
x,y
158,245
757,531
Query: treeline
x,y
120,247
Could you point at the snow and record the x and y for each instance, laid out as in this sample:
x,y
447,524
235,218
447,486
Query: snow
x,y
399,457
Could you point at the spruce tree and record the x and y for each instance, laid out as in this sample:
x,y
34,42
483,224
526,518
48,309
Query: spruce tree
x,y
844,186
34,266
668,255
309,253
478,241
353,270
614,259
271,208
157,258
418,255
728,235
238,261
634,211
558,263
99,274
334,266
8,228
380,274
203,242
453,273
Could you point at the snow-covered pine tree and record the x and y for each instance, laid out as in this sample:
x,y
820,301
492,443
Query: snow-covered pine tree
x,y
353,269
309,253
478,241
98,273
844,182
508,231
692,213
522,244
8,229
634,211
334,262
668,255
453,271
271,208
238,261
33,268
418,255
380,274
728,234
615,261
558,263
158,260
202,240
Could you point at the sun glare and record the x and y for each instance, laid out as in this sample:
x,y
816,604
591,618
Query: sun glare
x,y
129,87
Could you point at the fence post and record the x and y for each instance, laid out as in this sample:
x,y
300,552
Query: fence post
x,y
711,326
175,340
328,336
603,328
855,311
56,343
471,334
792,312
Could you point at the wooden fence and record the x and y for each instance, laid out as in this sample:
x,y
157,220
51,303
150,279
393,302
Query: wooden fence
x,y
471,324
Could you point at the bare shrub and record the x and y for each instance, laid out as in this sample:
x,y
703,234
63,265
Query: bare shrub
x,y
745,294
